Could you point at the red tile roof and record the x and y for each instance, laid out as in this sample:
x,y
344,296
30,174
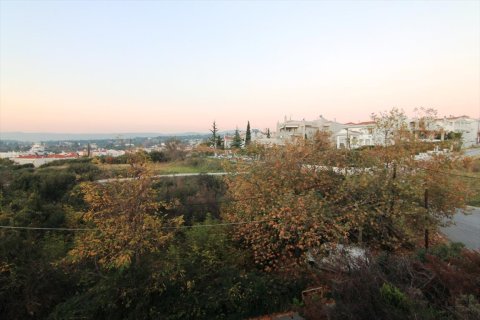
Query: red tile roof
x,y
29,156
49,156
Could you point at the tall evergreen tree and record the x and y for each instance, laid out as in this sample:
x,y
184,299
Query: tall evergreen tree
x,y
248,135
214,131
268,133
237,140
220,142
89,150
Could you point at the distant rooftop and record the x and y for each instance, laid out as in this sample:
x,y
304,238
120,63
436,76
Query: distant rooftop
x,y
361,123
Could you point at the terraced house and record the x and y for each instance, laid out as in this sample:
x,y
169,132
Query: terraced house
x,y
355,135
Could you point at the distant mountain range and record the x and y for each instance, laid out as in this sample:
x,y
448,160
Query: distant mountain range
x,y
48,136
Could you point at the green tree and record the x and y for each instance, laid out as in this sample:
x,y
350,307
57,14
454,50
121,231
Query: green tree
x,y
237,140
214,131
220,142
158,156
248,135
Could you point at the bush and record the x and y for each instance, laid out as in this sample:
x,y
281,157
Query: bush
x,y
392,296
444,252
66,161
441,285
86,171
158,156
467,307
195,196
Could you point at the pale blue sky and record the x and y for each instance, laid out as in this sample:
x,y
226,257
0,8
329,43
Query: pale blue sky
x,y
118,66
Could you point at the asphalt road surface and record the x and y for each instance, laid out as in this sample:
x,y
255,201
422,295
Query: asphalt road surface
x,y
466,228
472,152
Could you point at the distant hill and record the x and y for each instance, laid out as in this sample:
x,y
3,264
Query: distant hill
x,y
47,136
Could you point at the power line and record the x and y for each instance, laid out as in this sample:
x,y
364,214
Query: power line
x,y
179,227
206,203
219,224
164,228
47,228
171,228
450,173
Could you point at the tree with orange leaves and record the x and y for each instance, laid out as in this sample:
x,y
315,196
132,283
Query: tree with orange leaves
x,y
290,200
126,220
306,196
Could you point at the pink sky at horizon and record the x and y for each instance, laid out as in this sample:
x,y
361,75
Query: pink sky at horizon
x,y
92,67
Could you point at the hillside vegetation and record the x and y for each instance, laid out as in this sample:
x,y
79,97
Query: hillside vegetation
x,y
329,233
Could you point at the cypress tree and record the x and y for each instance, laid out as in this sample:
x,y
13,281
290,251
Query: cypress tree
x,y
248,135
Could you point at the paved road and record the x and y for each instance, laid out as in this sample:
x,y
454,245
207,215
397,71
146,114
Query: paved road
x,y
472,152
466,228
172,175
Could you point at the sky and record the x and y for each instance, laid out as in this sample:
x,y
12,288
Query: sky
x,y
160,66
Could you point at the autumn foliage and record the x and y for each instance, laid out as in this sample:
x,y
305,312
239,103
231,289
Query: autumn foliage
x,y
293,204
307,196
126,220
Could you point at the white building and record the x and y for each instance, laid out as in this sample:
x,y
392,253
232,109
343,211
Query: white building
x,y
468,127
37,148
10,154
109,152
291,130
38,160
356,135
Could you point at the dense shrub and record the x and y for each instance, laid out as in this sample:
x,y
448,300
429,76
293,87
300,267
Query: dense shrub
x,y
201,276
62,162
442,285
194,196
158,156
444,252
51,185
